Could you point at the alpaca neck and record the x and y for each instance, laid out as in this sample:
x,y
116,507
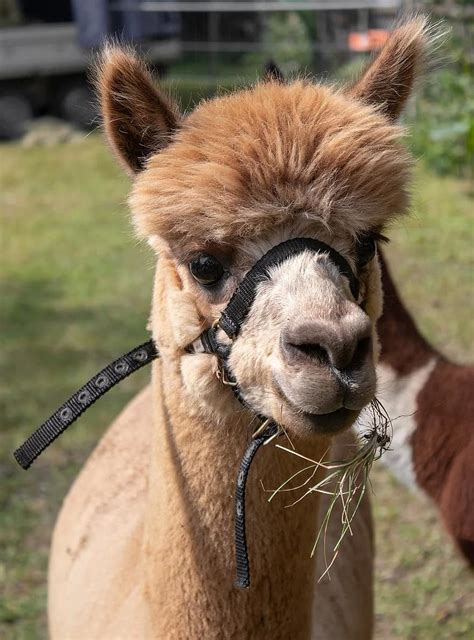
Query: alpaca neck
x,y
189,528
443,423
427,395
403,347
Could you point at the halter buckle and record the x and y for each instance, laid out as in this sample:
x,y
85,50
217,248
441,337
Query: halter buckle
x,y
222,376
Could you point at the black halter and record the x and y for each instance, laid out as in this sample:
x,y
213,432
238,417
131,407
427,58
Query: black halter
x,y
230,321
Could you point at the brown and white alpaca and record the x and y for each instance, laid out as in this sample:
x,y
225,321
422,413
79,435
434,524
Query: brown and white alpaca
x,y
143,545
432,401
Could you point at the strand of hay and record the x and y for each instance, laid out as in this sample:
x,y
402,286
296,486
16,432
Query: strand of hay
x,y
345,481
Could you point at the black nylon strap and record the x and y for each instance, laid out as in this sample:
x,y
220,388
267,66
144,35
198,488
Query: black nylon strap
x,y
241,551
210,344
70,411
236,311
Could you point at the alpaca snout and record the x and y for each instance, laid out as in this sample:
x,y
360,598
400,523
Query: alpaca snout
x,y
343,345
327,365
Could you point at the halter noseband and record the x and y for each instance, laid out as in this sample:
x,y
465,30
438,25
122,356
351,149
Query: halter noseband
x,y
230,321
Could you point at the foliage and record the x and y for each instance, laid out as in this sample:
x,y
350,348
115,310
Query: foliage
x,y
441,124
442,120
285,40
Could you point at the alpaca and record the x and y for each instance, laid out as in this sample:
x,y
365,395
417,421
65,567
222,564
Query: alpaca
x,y
143,545
432,401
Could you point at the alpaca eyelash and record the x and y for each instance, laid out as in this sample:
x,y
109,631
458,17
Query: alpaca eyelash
x,y
183,259
379,237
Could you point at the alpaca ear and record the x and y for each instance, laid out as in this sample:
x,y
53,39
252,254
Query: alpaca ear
x,y
139,119
273,73
389,78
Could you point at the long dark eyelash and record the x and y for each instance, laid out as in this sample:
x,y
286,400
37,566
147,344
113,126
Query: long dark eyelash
x,y
379,237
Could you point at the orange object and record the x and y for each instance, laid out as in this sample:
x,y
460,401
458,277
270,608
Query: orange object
x,y
367,40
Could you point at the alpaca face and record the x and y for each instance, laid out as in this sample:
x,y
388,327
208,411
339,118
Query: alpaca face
x,y
305,354
215,190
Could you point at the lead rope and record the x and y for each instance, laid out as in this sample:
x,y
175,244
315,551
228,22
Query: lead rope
x,y
241,550
94,389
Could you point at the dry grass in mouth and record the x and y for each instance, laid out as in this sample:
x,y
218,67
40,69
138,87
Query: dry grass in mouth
x,y
344,480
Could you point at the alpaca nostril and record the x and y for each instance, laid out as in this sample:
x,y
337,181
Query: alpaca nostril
x,y
328,344
313,351
308,342
360,353
350,355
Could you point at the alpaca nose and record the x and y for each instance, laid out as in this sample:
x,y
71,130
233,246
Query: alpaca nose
x,y
343,345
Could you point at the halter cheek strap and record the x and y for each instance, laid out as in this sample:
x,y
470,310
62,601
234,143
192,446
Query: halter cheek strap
x,y
238,308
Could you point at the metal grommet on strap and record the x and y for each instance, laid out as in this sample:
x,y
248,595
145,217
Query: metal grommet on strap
x,y
140,356
102,381
239,509
84,396
65,414
121,367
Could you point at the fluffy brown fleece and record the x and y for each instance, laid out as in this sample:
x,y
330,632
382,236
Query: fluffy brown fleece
x,y
442,444
249,162
404,348
143,546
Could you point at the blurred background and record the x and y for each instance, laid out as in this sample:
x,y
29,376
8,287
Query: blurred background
x,y
75,286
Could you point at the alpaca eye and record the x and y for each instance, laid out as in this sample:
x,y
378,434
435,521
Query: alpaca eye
x,y
206,269
366,246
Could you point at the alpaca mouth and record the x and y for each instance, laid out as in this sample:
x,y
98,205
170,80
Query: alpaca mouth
x,y
333,422
328,423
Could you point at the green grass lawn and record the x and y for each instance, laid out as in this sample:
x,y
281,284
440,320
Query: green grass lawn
x,y
76,293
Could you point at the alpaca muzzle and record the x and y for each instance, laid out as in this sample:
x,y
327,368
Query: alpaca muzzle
x,y
230,321
235,313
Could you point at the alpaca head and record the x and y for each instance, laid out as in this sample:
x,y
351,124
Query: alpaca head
x,y
215,190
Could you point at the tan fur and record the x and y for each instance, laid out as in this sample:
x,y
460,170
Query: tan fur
x,y
90,524
143,546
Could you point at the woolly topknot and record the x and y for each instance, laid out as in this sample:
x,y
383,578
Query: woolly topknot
x,y
246,163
